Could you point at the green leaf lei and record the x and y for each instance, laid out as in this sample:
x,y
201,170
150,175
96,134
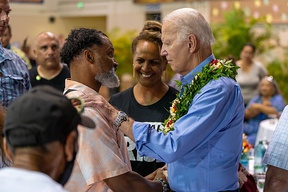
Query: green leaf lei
x,y
180,106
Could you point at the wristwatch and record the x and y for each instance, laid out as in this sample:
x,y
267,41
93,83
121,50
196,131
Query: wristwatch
x,y
121,117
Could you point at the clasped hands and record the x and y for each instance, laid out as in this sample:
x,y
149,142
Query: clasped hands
x,y
110,113
255,109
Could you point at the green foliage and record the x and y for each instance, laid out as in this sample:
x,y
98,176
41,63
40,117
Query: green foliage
x,y
237,30
279,71
122,49
180,106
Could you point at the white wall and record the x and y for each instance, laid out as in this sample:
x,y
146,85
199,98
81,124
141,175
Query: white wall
x,y
27,20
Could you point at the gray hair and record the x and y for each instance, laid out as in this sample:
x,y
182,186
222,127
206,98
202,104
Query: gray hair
x,y
190,21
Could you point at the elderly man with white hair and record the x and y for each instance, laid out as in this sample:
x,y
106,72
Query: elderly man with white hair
x,y
202,139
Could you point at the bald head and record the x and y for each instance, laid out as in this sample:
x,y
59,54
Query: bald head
x,y
47,50
45,35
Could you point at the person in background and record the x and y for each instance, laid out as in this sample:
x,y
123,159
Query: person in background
x,y
49,70
102,163
40,138
202,147
150,99
250,72
27,50
268,102
14,76
6,38
276,157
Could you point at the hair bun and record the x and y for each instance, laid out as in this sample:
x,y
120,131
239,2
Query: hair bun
x,y
152,26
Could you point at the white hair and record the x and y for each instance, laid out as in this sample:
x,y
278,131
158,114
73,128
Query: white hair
x,y
190,21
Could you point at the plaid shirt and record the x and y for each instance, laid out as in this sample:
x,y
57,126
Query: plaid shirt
x,y
277,152
14,76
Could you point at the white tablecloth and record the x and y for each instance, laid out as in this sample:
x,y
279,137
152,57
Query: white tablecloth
x,y
266,129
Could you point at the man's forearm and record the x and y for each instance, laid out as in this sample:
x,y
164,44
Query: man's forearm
x,y
276,179
127,128
132,181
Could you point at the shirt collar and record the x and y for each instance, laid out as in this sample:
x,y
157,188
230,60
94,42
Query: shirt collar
x,y
190,76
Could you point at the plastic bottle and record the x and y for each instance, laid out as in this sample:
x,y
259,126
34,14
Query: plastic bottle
x,y
251,160
259,152
245,161
265,143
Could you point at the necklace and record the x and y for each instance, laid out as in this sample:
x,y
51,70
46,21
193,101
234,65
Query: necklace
x,y
212,71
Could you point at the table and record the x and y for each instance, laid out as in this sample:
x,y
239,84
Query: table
x,y
265,130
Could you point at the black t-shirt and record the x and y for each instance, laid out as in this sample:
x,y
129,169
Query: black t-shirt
x,y
154,114
57,82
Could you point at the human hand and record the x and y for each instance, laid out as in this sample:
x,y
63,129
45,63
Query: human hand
x,y
252,110
162,178
242,176
159,173
165,170
102,105
151,176
267,103
254,107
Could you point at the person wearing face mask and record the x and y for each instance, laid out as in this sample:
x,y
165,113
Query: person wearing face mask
x,y
150,99
40,139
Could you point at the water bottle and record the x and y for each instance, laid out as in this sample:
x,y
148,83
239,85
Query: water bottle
x,y
251,160
259,152
245,161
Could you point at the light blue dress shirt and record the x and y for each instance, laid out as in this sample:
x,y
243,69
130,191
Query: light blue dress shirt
x,y
204,149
